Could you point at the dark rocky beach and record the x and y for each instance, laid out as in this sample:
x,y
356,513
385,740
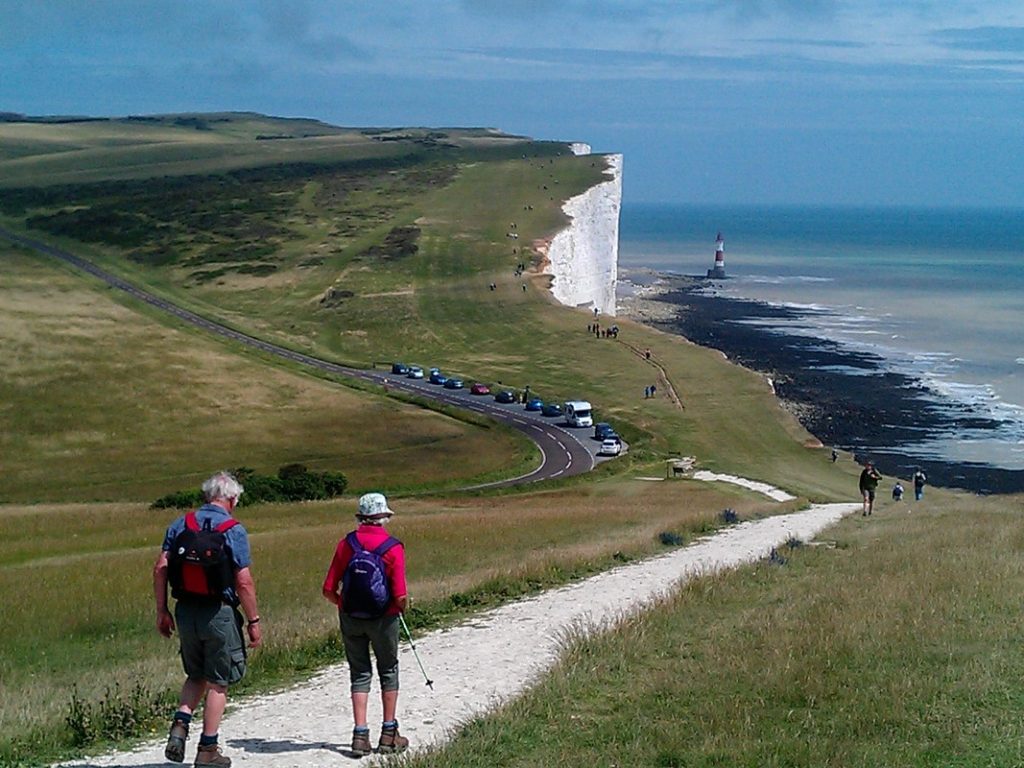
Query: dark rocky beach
x,y
845,398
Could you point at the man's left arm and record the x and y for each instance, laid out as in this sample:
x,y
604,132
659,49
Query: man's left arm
x,y
245,585
245,588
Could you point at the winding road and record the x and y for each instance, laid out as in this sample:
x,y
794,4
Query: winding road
x,y
564,451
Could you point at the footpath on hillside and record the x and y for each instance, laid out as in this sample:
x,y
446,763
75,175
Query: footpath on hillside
x,y
480,663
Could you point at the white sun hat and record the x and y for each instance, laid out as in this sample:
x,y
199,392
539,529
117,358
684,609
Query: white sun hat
x,y
373,506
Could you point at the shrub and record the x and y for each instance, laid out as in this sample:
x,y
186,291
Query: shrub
x,y
179,500
294,482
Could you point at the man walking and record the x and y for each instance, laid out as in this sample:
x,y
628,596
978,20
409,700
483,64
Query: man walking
x,y
869,478
366,581
920,478
205,558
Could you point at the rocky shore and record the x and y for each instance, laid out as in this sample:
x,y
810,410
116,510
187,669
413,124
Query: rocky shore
x,y
845,398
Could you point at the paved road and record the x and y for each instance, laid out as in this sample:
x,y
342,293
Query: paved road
x,y
564,451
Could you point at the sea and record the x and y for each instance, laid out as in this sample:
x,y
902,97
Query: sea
x,y
937,294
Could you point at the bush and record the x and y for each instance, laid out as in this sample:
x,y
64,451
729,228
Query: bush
x,y
179,500
294,482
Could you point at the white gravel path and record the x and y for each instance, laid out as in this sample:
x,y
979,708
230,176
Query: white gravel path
x,y
755,485
488,659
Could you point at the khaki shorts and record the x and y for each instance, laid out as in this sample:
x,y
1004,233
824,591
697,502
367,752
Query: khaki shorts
x,y
212,648
362,634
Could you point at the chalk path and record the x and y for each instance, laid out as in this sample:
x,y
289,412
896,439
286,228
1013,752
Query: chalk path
x,y
755,485
484,661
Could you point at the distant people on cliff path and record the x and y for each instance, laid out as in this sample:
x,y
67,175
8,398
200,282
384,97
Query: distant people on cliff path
x,y
920,478
835,455
868,484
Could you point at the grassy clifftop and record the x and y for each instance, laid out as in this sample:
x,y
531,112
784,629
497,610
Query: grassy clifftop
x,y
375,245
355,245
895,646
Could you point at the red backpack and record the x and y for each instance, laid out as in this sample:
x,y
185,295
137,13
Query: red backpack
x,y
199,561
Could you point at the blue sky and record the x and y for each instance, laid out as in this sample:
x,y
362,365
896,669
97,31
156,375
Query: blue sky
x,y
722,101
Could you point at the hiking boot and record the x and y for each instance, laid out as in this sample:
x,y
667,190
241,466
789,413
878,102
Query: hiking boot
x,y
210,754
392,741
361,742
175,749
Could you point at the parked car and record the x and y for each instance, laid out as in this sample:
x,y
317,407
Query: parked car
x,y
415,372
453,384
534,404
479,389
505,396
400,369
551,409
610,447
436,377
603,430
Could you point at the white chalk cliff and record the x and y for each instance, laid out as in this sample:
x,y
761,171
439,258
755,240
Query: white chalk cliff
x,y
583,258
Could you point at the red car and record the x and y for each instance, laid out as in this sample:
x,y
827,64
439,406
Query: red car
x,y
479,389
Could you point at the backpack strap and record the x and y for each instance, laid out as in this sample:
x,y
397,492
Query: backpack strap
x,y
353,541
380,550
390,542
192,523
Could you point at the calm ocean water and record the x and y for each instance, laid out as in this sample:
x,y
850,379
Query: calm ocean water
x,y
938,294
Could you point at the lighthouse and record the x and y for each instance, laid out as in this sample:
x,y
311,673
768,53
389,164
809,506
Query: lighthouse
x,y
718,271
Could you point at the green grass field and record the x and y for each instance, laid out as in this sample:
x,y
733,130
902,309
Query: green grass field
x,y
366,246
104,403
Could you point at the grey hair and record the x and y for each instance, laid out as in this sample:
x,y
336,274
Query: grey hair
x,y
222,486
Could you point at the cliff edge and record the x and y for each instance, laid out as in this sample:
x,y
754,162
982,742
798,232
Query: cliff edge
x,y
583,258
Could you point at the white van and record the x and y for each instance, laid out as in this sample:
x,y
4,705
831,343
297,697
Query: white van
x,y
578,413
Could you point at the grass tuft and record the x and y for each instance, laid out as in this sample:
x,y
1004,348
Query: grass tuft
x,y
117,714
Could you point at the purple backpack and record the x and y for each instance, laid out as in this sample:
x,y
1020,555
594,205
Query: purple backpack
x,y
365,592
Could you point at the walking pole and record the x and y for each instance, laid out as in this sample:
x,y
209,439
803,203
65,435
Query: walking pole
x,y
408,634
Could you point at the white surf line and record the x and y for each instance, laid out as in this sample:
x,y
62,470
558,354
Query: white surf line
x,y
490,658
768,490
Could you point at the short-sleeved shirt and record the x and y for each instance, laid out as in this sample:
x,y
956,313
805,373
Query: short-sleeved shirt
x,y
236,538
371,537
868,480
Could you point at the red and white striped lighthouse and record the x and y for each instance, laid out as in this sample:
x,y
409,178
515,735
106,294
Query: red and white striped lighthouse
x,y
719,269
